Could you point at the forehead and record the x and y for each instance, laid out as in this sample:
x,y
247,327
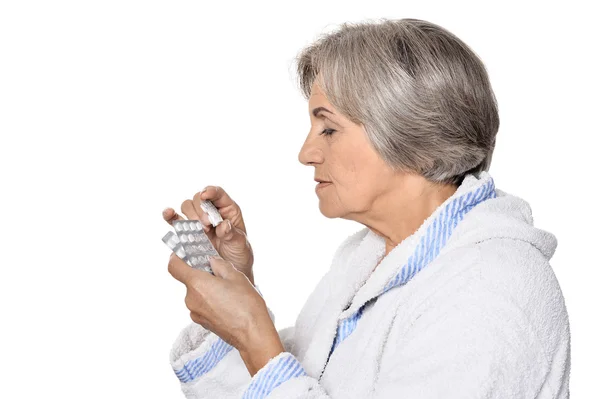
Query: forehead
x,y
315,87
317,95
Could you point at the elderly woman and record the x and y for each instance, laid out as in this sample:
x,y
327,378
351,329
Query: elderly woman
x,y
446,292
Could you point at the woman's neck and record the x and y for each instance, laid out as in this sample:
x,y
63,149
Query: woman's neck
x,y
394,222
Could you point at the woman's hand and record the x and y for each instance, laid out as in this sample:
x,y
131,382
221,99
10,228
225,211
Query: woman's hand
x,y
228,305
229,238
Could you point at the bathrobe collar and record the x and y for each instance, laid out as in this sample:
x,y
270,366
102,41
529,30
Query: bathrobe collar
x,y
414,252
476,212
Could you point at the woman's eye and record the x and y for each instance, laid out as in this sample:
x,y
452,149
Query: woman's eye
x,y
328,132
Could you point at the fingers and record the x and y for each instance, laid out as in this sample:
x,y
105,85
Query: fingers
x,y
188,210
226,231
198,198
170,215
216,195
227,207
187,207
206,224
180,270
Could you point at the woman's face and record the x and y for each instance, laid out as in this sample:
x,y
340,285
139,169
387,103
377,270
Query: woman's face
x,y
345,158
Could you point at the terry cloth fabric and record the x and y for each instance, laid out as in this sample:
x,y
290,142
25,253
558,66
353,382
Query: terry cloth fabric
x,y
467,306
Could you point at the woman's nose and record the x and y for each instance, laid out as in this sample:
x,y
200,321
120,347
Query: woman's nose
x,y
310,153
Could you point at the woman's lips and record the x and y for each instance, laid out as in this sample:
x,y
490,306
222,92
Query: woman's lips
x,y
322,185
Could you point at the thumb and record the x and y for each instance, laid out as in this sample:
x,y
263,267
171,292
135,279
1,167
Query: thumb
x,y
179,269
228,232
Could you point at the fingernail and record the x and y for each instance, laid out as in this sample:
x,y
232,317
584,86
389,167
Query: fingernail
x,y
230,226
205,188
165,210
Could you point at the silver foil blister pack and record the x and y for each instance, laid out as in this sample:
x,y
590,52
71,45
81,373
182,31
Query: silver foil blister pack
x,y
213,214
190,242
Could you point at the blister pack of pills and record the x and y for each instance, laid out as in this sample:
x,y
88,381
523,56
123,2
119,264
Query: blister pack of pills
x,y
213,214
190,243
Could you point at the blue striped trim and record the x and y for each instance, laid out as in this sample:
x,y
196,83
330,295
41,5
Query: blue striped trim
x,y
203,364
439,231
428,248
273,374
346,327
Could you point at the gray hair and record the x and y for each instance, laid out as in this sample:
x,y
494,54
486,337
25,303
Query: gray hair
x,y
422,95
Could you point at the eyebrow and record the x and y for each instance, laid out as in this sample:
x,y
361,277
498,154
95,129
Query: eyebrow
x,y
319,109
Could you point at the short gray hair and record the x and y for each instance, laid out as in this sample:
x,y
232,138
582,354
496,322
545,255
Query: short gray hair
x,y
422,95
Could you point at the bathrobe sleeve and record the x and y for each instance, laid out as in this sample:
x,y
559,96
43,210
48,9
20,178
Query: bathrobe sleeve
x,y
476,346
208,367
283,377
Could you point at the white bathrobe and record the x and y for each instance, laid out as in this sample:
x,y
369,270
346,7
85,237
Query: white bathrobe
x,y
466,307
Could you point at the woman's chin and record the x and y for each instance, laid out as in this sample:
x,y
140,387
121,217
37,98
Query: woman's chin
x,y
327,210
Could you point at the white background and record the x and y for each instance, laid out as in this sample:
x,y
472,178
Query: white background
x,y
111,111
